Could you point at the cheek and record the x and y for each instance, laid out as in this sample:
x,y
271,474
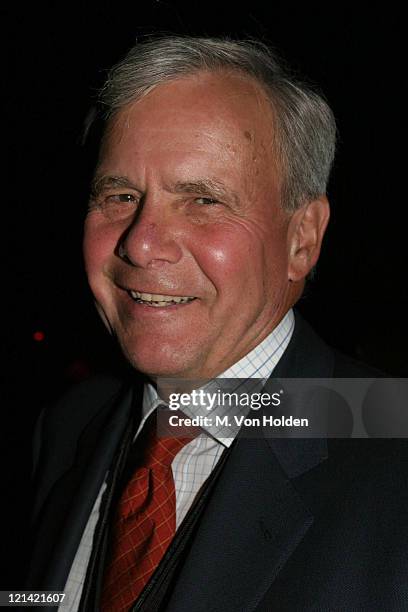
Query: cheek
x,y
245,260
226,256
98,245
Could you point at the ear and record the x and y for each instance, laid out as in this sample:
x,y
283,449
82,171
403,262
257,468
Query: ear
x,y
305,236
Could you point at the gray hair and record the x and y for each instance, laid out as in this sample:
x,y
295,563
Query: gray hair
x,y
305,126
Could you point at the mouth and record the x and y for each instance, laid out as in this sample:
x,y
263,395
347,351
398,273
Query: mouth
x,y
156,300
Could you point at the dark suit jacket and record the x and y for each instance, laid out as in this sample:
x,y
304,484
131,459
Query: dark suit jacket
x,y
291,525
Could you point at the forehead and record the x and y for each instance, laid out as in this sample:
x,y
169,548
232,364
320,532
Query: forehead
x,y
202,111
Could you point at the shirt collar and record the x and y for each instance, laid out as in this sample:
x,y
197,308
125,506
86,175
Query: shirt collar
x,y
257,364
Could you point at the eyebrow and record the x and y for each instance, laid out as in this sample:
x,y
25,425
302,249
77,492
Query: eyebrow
x,y
205,187
99,184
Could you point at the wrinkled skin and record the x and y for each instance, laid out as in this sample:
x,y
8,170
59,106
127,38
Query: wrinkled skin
x,y
194,211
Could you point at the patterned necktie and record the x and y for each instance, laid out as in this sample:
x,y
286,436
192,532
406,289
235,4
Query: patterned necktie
x,y
145,521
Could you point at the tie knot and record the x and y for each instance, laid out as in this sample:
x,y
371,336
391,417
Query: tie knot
x,y
164,441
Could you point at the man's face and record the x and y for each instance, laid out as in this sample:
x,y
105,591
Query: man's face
x,y
187,207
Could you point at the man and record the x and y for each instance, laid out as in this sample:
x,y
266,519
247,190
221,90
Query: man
x,y
207,213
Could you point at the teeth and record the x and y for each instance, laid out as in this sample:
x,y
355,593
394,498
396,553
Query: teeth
x,y
158,300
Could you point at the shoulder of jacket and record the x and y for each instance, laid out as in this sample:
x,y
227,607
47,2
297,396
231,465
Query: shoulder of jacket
x,y
61,422
348,367
82,401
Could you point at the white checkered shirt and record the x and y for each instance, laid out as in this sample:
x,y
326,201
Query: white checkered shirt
x,y
196,460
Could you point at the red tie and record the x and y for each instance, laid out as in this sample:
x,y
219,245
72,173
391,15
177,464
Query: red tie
x,y
145,521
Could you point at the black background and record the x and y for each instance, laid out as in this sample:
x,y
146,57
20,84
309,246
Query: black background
x,y
54,58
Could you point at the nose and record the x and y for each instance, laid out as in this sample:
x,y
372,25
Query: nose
x,y
152,240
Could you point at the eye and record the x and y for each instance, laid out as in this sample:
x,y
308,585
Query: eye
x,y
206,201
121,198
115,206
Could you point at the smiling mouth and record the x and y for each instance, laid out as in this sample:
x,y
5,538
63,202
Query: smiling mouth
x,y
157,300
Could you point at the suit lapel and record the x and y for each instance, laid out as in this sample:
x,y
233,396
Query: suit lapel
x,y
255,518
251,526
74,494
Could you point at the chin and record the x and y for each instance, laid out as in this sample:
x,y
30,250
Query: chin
x,y
162,361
